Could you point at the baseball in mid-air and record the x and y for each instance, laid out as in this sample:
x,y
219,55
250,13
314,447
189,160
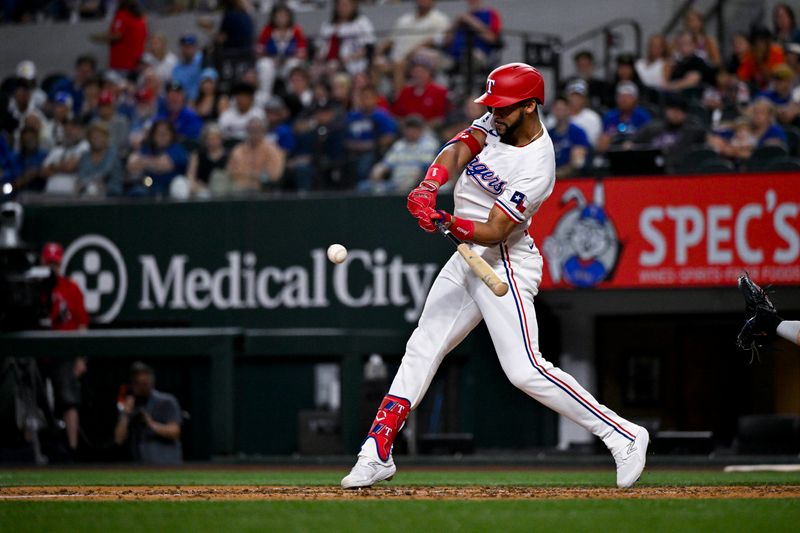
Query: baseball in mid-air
x,y
337,253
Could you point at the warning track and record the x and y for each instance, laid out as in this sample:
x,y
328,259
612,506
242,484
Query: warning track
x,y
278,493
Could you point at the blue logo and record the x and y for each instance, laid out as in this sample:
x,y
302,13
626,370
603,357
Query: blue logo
x,y
519,200
485,176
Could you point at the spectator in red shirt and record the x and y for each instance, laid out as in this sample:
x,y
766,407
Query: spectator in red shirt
x,y
282,46
126,37
67,313
281,38
421,96
757,64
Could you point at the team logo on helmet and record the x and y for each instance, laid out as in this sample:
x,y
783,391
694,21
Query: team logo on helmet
x,y
95,264
489,85
583,249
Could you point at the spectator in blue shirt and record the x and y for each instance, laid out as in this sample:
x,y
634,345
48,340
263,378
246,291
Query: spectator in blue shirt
x,y
190,66
85,69
765,130
318,159
160,160
236,30
370,131
570,142
780,93
186,122
621,123
484,25
757,131
280,130
8,162
780,90
30,161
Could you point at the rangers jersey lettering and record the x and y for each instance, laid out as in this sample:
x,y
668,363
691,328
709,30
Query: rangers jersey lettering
x,y
515,179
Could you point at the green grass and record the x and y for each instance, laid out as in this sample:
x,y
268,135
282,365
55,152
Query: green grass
x,y
388,516
333,516
262,476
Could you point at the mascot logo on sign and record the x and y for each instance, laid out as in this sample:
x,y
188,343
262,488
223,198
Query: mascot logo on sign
x,y
583,249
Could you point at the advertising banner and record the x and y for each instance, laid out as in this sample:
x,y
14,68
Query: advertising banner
x,y
247,263
672,232
262,263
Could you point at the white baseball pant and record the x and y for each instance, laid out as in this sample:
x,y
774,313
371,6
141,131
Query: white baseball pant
x,y
458,301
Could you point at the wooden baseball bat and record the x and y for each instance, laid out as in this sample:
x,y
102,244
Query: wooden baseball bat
x,y
476,263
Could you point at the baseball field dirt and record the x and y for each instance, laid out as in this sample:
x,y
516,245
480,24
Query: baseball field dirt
x,y
249,493
201,499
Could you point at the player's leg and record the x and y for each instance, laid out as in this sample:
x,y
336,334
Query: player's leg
x,y
512,323
789,330
448,316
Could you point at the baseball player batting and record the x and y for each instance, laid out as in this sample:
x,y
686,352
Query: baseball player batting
x,y
505,166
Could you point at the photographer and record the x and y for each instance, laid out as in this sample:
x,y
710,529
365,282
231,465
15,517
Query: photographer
x,y
149,420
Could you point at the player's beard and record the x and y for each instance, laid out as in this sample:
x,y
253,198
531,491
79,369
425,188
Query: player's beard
x,y
508,136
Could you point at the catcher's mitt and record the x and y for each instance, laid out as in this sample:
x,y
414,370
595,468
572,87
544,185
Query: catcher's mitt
x,y
762,318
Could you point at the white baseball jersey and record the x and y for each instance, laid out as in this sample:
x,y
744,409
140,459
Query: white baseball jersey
x,y
516,180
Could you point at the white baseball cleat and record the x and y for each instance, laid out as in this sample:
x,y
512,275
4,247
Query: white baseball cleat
x,y
368,471
630,458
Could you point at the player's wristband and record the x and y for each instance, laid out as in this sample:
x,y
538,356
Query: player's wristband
x,y
464,228
437,173
461,227
471,142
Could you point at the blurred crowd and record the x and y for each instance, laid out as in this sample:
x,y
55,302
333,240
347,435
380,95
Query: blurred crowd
x,y
683,107
230,108
32,11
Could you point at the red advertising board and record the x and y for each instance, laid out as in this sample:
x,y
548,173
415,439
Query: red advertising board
x,y
677,231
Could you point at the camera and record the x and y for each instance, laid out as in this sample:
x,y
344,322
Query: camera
x,y
25,287
10,224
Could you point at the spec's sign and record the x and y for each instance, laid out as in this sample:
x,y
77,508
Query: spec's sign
x,y
698,231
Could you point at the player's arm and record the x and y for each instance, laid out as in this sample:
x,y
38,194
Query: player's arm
x,y
512,208
460,151
496,229
455,155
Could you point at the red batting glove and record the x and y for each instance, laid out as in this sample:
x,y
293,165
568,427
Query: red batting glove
x,y
425,221
424,196
461,227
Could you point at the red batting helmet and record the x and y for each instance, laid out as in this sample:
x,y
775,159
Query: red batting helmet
x,y
512,83
52,252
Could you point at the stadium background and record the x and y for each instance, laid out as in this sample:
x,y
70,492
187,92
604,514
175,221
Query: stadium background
x,y
254,375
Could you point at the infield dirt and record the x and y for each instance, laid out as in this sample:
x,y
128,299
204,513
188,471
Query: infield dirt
x,y
254,492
